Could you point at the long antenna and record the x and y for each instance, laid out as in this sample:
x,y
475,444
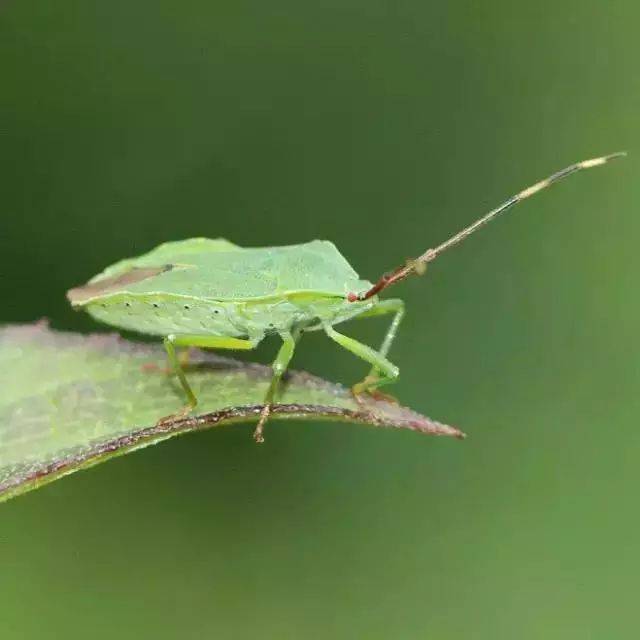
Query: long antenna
x,y
419,265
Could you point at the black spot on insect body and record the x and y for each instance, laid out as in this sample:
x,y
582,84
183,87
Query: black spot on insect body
x,y
127,304
186,306
271,328
155,304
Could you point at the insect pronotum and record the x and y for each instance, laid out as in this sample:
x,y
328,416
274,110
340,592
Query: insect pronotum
x,y
211,293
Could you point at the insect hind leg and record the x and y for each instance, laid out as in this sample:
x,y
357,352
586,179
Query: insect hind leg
x,y
208,342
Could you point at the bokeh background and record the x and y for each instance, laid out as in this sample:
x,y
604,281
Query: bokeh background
x,y
385,127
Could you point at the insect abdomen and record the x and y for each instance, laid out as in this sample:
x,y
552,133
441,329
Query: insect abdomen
x,y
163,315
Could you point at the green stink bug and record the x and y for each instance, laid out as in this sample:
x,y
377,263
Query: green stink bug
x,y
212,293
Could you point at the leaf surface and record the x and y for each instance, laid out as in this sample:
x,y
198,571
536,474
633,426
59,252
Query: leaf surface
x,y
70,401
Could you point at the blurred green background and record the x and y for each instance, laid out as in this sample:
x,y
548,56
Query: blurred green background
x,y
385,127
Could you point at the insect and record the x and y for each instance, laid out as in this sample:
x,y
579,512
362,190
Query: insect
x,y
211,293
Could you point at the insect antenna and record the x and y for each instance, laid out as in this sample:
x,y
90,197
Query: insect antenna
x,y
419,265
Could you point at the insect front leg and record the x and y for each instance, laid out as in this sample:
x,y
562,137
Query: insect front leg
x,y
208,342
386,371
397,307
279,367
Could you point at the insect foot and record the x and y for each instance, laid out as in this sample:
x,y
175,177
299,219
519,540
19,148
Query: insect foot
x,y
264,414
168,420
367,388
366,385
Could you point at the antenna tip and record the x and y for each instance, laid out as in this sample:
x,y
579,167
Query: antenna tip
x,y
617,154
596,162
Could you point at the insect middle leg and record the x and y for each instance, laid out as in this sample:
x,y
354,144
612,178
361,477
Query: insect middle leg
x,y
207,342
279,367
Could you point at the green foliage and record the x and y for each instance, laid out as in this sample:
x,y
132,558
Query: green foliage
x,y
70,401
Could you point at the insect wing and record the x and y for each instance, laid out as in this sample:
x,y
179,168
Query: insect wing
x,y
178,251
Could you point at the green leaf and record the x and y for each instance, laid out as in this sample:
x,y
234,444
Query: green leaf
x,y
70,401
